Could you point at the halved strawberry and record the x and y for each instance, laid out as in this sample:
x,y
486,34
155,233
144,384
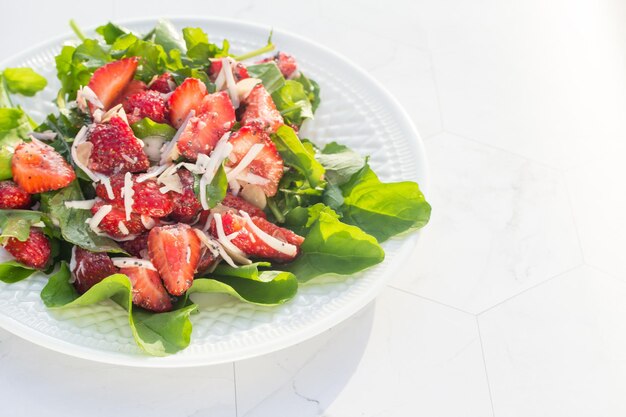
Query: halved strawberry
x,y
239,71
186,205
261,110
206,260
137,247
110,80
90,268
110,224
148,290
12,196
164,83
148,104
216,116
147,200
251,244
133,87
239,203
116,149
37,167
175,252
34,252
267,164
286,63
188,96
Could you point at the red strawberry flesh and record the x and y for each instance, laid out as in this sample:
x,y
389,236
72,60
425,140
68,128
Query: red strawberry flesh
x,y
90,268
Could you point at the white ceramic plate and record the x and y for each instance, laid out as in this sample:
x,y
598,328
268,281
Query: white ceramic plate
x,y
355,110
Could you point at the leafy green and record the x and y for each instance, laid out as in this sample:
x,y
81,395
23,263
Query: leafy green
x,y
341,163
157,334
296,155
215,190
199,49
166,35
14,127
332,247
72,221
312,90
293,103
147,127
110,32
17,223
12,272
23,81
383,209
269,74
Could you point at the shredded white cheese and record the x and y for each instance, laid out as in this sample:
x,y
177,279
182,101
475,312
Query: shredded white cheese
x,y
148,222
153,172
86,94
128,194
245,161
170,149
231,84
73,266
47,135
215,248
276,244
106,181
123,228
80,204
231,249
81,159
133,263
94,222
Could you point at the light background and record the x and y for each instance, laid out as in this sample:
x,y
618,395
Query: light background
x,y
515,302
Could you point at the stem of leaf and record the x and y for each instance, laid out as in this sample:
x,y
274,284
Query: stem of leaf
x,y
267,48
5,99
280,218
77,30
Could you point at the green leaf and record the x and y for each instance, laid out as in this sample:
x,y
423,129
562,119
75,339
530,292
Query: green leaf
x,y
157,334
92,54
147,127
341,163
296,155
300,219
332,247
199,49
17,223
110,32
72,221
12,272
312,90
166,35
383,209
216,189
293,103
269,74
186,72
14,127
249,284
194,37
24,81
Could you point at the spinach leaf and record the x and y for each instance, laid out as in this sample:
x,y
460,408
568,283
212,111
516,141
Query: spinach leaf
x,y
146,127
166,35
341,163
17,223
12,272
14,126
293,103
312,90
199,49
269,74
216,190
72,221
156,334
110,32
296,155
332,247
23,81
383,209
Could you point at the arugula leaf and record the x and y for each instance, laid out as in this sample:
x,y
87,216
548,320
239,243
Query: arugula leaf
x,y
187,72
249,284
166,35
312,90
194,37
17,223
269,74
24,81
110,32
147,127
72,221
14,126
92,54
296,155
383,209
293,103
332,247
199,49
216,190
157,334
300,219
12,272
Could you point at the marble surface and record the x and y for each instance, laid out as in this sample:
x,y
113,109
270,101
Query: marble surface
x,y
515,302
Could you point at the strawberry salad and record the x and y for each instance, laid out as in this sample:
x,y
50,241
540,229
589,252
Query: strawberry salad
x,y
174,166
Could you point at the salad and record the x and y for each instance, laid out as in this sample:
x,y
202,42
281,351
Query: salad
x,y
173,166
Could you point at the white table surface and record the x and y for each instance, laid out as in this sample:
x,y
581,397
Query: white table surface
x,y
515,302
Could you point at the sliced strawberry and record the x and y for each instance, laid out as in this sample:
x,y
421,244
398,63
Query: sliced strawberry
x,y
116,149
90,268
164,83
206,260
12,196
133,87
186,205
251,244
149,103
216,117
147,200
110,80
148,290
239,203
37,167
261,110
239,71
267,164
175,252
34,252
286,63
137,247
110,224
188,96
